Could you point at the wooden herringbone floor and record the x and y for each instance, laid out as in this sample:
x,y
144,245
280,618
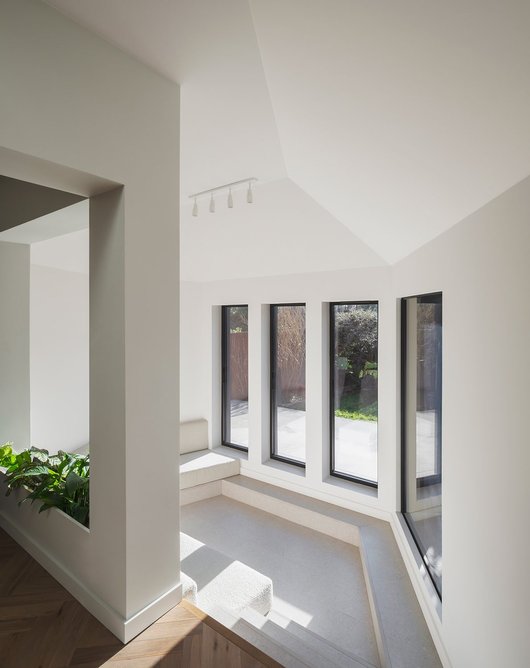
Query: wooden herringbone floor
x,y
43,626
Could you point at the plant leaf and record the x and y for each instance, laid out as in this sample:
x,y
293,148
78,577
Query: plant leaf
x,y
33,471
74,482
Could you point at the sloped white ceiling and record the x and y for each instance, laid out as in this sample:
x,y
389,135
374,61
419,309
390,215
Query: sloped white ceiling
x,y
284,232
401,118
397,118
228,130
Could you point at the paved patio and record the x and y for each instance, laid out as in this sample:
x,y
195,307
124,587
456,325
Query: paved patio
x,y
355,440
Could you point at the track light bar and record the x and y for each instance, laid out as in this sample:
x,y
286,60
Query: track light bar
x,y
225,186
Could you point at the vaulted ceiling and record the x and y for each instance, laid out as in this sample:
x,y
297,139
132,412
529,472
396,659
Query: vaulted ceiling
x,y
391,121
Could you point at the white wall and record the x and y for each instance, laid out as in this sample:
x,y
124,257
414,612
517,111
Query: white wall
x,y
482,268
80,115
59,342
195,341
14,345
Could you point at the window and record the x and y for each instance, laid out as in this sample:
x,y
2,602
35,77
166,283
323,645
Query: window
x,y
235,376
421,426
353,391
288,351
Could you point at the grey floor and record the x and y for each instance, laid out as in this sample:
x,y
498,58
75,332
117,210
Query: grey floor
x,y
318,581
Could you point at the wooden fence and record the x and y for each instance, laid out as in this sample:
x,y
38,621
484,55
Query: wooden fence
x,y
291,371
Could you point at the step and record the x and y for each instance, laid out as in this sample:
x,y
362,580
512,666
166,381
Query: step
x,y
403,638
200,492
338,654
277,649
314,514
222,580
307,645
402,634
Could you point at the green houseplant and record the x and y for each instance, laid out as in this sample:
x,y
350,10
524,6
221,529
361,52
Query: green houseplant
x,y
56,481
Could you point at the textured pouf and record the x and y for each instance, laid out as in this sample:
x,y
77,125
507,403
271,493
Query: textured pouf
x,y
222,581
189,588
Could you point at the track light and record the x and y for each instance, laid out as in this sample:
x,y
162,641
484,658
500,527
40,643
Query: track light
x,y
230,199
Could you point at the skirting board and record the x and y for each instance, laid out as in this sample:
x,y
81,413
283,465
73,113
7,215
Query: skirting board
x,y
124,629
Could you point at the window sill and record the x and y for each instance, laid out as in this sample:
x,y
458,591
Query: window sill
x,y
351,486
235,453
286,467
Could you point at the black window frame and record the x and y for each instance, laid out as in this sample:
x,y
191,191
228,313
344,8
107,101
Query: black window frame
x,y
344,476
426,480
225,403
272,383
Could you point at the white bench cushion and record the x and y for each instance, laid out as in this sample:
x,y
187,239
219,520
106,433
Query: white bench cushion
x,y
198,468
193,436
222,581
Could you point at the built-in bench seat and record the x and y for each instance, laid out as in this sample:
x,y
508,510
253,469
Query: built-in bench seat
x,y
193,436
222,581
201,469
205,466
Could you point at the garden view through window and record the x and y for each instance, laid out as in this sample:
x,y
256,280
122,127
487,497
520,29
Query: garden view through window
x,y
235,376
353,339
288,383
421,319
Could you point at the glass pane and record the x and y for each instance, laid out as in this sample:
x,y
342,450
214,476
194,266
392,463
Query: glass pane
x,y
422,460
354,395
235,376
288,381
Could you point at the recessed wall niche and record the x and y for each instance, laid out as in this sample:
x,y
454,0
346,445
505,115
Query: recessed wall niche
x,y
44,246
